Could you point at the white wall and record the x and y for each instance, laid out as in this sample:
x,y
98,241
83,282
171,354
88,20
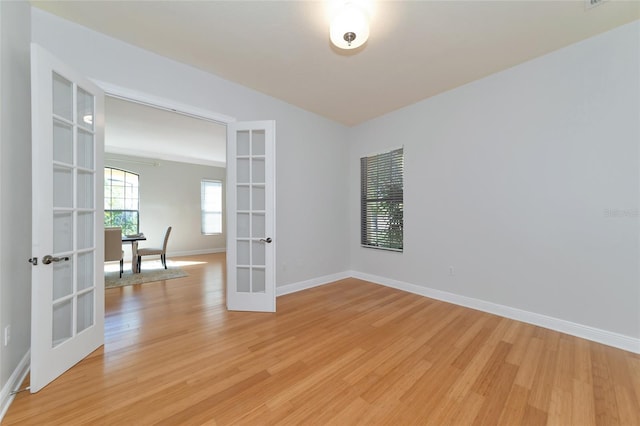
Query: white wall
x,y
15,191
311,151
170,196
526,183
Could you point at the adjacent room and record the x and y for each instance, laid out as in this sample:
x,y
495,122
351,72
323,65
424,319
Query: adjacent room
x,y
427,216
162,168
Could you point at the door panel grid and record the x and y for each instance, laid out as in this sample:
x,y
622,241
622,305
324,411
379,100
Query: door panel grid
x,y
250,215
73,189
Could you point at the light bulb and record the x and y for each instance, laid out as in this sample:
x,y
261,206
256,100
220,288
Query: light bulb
x,y
349,28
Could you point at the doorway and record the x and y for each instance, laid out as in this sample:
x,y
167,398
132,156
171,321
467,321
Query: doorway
x,y
171,153
250,186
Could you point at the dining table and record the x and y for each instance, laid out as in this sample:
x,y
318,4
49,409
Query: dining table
x,y
133,239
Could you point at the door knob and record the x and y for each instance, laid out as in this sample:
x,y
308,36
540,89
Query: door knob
x,y
48,259
268,240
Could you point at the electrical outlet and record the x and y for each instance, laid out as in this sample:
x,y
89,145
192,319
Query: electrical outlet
x,y
451,271
7,335
590,4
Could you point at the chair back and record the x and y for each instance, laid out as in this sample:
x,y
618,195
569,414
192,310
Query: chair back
x,y
112,244
166,240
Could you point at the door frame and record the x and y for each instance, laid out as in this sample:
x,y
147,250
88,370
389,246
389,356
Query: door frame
x,y
147,99
140,97
144,98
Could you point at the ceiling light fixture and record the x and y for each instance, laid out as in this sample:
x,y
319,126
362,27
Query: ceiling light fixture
x,y
349,27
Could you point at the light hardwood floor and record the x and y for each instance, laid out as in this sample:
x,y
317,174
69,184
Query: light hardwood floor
x,y
345,353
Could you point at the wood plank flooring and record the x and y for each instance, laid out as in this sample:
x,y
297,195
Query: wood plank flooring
x,y
346,353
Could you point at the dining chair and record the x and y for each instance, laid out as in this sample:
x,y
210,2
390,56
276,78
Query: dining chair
x,y
155,251
113,246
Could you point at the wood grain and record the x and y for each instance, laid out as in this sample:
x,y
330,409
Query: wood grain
x,y
350,352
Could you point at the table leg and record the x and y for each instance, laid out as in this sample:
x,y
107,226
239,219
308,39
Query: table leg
x,y
134,257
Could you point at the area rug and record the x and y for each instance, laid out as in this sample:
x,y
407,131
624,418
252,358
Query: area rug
x,y
112,278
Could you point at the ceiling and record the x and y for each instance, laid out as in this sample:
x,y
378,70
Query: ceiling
x,y
417,49
143,131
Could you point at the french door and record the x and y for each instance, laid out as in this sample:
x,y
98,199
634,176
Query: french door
x,y
67,302
251,240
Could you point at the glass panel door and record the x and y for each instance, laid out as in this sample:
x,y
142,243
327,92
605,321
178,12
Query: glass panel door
x,y
67,282
251,209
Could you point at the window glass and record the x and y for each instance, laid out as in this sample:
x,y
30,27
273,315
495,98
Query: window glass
x,y
121,200
381,200
211,206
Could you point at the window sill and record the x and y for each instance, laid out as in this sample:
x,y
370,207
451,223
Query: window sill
x,y
382,248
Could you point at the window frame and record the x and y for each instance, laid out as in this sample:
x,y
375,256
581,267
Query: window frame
x,y
376,171
124,199
203,182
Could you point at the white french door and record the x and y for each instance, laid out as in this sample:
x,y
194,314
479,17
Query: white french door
x,y
251,240
67,302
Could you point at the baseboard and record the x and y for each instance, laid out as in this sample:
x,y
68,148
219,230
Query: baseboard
x,y
315,282
171,254
609,338
13,384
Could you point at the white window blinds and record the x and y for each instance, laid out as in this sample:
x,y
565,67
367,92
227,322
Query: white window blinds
x,y
211,206
381,200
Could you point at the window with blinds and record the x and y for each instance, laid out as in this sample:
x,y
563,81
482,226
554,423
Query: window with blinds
x,y
211,206
381,200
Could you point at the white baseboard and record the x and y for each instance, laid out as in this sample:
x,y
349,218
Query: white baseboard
x,y
315,282
171,254
609,338
13,384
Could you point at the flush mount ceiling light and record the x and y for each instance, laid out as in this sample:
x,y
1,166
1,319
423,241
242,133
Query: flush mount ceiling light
x,y
349,27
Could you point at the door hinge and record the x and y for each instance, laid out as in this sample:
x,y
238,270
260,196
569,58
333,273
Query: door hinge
x,y
33,261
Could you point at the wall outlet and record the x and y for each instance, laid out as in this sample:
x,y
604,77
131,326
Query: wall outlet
x,y
7,335
452,272
590,4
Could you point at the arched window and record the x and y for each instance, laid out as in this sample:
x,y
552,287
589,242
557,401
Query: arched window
x,y
121,200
